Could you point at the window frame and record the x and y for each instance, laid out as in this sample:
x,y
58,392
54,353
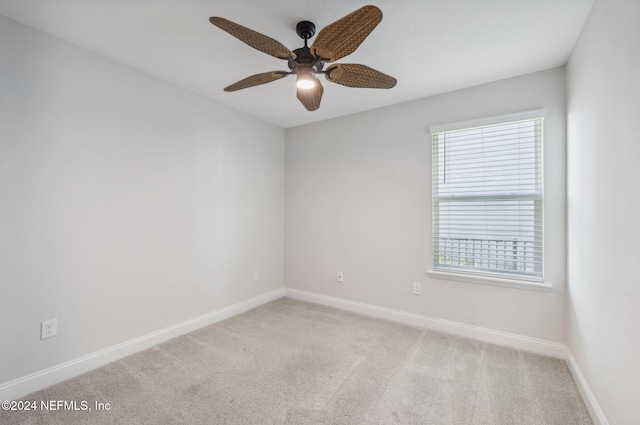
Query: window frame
x,y
483,276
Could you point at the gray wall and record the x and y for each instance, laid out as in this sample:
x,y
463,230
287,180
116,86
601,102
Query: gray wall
x,y
358,199
603,110
127,205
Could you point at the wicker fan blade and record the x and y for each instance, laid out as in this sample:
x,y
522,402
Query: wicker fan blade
x,y
311,98
256,80
341,38
354,75
253,38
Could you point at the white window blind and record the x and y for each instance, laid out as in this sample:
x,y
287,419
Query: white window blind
x,y
488,198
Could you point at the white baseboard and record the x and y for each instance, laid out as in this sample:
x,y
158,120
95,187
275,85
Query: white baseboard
x,y
36,381
589,398
505,339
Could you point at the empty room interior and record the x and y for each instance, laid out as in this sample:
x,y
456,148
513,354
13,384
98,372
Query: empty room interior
x,y
307,212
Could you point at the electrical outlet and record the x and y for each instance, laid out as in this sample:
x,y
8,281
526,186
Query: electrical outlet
x,y
48,328
255,276
340,277
416,288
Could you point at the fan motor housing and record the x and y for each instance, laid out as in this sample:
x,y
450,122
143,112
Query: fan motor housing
x,y
305,59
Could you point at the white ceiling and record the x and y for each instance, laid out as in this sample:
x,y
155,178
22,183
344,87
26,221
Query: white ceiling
x,y
430,46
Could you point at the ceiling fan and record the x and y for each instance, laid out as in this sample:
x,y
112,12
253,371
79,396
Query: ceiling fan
x,y
333,42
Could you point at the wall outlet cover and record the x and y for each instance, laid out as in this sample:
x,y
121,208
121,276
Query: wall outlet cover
x,y
48,328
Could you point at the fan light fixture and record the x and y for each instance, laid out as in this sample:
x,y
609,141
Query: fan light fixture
x,y
305,78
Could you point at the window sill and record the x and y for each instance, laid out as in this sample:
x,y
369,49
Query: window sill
x,y
488,280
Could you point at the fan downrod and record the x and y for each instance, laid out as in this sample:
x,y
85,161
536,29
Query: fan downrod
x,y
305,29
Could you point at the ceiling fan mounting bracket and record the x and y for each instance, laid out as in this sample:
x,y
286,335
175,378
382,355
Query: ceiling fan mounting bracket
x,y
305,29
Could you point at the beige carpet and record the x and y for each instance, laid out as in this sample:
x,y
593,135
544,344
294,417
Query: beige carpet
x,y
289,362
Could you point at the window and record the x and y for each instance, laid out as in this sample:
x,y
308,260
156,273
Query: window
x,y
488,197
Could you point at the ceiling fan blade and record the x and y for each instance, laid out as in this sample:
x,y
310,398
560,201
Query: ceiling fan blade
x,y
354,75
253,38
256,80
341,38
311,98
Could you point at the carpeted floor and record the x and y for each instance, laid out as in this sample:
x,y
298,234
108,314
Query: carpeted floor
x,y
290,362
